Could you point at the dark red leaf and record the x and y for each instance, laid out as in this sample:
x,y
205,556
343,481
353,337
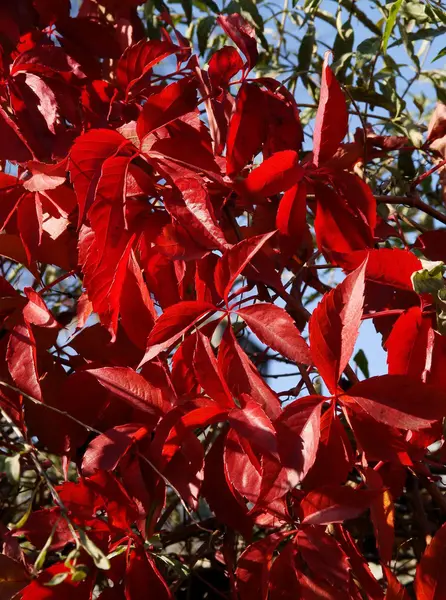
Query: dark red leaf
x,y
142,575
107,449
395,590
132,388
220,494
254,567
298,429
400,401
21,358
430,578
247,128
139,59
332,504
242,34
161,108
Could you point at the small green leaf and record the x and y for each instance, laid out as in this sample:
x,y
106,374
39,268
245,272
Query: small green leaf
x,y
99,558
440,54
57,579
204,30
79,573
429,279
390,23
363,364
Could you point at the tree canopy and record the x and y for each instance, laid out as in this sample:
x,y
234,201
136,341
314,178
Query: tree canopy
x,y
215,219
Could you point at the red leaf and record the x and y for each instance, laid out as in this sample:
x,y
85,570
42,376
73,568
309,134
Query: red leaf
x,y
292,212
334,457
234,260
430,578
359,564
208,373
87,156
388,266
36,311
400,401
247,128
298,429
224,64
107,449
243,36
142,575
131,387
395,590
173,101
13,146
345,215
172,324
68,589
139,59
105,271
254,567
332,504
410,343
243,468
284,580
135,299
334,327
382,511
29,222
325,557
219,493
196,214
331,123
21,358
243,378
13,577
276,174
276,329
252,423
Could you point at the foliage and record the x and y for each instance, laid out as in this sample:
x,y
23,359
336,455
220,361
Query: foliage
x,y
180,234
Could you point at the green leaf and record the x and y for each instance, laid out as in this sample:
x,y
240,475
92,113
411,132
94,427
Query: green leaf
x,y
306,52
187,7
429,279
363,364
99,558
210,4
57,579
79,573
390,23
440,54
204,30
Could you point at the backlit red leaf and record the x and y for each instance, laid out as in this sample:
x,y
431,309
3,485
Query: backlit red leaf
x,y
331,118
334,327
278,173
